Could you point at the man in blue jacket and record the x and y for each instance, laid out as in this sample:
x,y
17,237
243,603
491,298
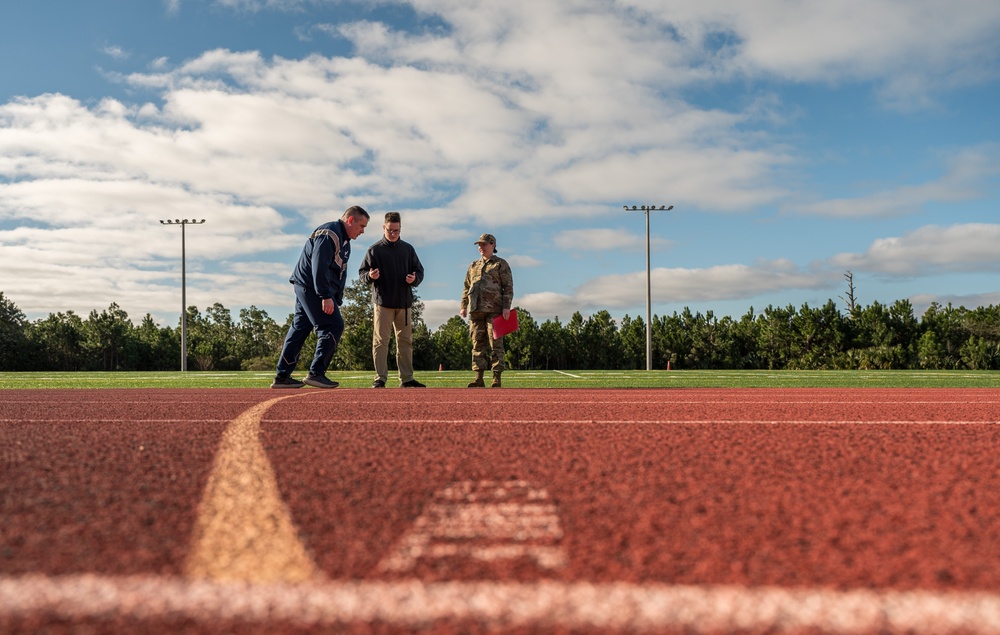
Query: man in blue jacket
x,y
392,268
319,291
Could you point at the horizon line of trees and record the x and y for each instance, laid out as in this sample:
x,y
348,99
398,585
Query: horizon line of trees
x,y
870,337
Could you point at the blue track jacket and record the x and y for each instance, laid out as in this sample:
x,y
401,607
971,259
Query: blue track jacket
x,y
323,262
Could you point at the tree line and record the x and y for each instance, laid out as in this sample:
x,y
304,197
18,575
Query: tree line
x,y
875,336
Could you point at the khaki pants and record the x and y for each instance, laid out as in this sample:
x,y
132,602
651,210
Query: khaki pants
x,y
487,353
387,319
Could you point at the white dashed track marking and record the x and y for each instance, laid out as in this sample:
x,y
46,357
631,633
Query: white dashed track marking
x,y
485,521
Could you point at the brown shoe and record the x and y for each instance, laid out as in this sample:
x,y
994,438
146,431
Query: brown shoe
x,y
496,379
478,381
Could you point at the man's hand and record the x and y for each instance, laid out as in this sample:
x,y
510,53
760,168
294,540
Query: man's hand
x,y
410,277
373,274
328,306
506,314
464,312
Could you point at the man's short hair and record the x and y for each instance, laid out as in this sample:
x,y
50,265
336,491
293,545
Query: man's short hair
x,y
391,217
355,211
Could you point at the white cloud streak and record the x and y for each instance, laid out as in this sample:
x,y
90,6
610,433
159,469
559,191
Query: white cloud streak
x,y
910,48
585,242
116,52
969,174
930,250
723,282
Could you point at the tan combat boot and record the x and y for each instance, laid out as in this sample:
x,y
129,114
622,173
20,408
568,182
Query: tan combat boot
x,y
496,379
478,383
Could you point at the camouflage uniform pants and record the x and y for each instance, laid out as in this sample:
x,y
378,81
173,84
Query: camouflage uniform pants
x,y
487,353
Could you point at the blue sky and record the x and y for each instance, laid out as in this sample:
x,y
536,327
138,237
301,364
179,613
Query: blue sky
x,y
796,140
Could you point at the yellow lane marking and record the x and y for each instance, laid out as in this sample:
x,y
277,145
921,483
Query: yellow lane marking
x,y
244,531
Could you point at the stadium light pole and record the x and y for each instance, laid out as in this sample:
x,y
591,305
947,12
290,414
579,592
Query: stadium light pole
x,y
649,294
183,223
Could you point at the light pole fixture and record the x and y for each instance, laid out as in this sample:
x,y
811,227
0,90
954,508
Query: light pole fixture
x,y
183,223
649,295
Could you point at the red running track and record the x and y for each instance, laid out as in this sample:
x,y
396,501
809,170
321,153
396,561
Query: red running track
x,y
678,510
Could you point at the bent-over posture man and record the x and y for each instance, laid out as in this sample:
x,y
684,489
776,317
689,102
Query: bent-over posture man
x,y
318,279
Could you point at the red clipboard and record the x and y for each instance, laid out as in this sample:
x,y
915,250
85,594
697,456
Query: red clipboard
x,y
502,327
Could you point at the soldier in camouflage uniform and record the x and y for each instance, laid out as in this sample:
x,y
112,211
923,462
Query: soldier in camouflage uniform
x,y
488,292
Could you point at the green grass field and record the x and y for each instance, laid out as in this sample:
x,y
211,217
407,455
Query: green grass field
x,y
531,379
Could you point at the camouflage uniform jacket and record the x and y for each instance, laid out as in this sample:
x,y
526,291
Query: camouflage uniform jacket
x,y
489,286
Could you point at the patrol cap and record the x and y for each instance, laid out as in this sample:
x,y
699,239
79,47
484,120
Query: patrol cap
x,y
487,238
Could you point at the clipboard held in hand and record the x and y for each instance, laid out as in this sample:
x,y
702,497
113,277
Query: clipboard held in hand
x,y
502,327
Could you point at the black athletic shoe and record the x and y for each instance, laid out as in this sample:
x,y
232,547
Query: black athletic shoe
x,y
378,383
413,383
286,382
320,381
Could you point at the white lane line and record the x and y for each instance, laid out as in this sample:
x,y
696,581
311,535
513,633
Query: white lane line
x,y
486,521
568,374
581,605
392,421
130,420
644,401
165,401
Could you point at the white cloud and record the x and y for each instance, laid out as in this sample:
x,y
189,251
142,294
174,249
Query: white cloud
x,y
969,174
584,242
522,261
120,218
437,312
930,249
911,47
928,43
253,6
116,52
33,280
588,132
723,282
698,285
547,304
922,302
420,227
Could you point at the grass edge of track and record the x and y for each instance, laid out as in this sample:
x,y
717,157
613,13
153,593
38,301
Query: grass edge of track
x,y
527,379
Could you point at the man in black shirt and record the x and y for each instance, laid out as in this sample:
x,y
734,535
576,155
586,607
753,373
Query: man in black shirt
x,y
393,269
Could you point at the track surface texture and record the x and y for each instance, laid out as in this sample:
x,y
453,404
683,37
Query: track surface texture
x,y
516,511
